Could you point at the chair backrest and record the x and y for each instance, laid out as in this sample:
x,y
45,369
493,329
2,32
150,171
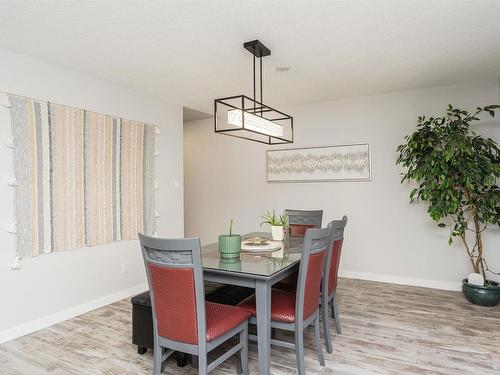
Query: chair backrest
x,y
332,264
175,278
312,263
301,220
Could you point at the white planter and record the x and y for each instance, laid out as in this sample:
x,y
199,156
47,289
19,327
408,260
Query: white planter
x,y
277,232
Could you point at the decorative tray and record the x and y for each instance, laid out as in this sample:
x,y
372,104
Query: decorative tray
x,y
259,245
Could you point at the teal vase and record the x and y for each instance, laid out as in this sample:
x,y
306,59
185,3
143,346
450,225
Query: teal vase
x,y
229,245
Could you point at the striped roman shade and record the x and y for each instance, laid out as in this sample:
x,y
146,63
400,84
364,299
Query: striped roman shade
x,y
83,178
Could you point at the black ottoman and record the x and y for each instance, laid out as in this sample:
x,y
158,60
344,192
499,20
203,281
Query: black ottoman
x,y
142,317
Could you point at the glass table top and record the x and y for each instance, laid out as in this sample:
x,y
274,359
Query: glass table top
x,y
261,264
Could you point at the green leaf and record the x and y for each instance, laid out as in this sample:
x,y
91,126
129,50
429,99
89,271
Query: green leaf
x,y
456,170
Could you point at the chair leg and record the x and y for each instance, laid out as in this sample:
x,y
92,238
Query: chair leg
x,y
326,328
299,350
141,350
243,362
239,366
202,364
319,347
158,354
336,313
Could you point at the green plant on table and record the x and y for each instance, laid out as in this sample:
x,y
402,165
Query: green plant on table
x,y
275,220
456,171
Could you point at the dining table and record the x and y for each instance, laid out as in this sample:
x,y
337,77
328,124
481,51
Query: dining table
x,y
259,271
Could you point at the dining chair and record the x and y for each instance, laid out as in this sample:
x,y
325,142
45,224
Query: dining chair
x,y
300,220
297,311
182,320
330,276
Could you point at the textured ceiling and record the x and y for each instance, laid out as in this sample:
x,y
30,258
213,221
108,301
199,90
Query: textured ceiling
x,y
191,52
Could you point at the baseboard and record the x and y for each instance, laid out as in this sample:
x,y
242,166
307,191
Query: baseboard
x,y
426,283
60,316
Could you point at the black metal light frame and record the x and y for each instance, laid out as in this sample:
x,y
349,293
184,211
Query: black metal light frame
x,y
254,107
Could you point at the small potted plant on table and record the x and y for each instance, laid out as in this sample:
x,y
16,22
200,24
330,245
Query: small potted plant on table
x,y
230,244
456,172
278,224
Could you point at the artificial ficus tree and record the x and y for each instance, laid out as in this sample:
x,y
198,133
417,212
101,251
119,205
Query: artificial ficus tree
x,y
456,173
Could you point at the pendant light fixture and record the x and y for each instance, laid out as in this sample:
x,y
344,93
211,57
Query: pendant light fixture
x,y
244,117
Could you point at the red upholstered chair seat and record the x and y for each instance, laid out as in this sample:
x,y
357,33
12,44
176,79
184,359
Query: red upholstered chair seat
x,y
223,318
282,306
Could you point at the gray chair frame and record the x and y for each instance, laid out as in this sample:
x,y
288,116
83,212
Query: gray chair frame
x,y
305,217
337,233
315,241
186,253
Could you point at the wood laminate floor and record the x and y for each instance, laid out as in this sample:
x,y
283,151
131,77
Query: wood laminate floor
x,y
387,329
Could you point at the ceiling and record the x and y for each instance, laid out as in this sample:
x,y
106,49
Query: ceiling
x,y
190,52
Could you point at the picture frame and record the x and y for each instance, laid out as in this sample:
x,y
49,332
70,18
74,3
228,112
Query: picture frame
x,y
339,162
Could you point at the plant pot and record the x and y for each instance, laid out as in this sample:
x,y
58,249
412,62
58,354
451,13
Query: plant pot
x,y
487,295
277,232
229,246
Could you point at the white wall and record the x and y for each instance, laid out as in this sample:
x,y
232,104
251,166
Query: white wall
x,y
53,287
387,239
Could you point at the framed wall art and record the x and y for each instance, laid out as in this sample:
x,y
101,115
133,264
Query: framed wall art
x,y
345,162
